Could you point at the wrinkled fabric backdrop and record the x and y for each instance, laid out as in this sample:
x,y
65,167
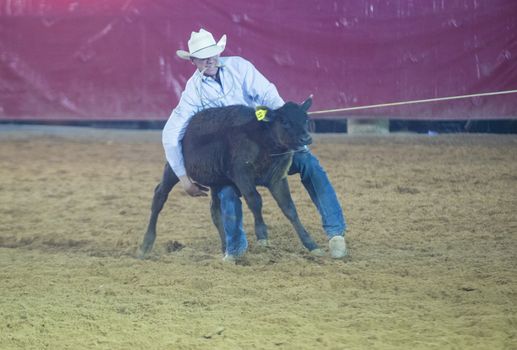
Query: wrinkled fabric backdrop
x,y
115,59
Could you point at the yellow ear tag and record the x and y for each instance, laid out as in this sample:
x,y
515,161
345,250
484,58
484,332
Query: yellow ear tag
x,y
260,114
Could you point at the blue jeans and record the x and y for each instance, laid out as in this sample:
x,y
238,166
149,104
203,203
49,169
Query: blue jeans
x,y
317,184
231,212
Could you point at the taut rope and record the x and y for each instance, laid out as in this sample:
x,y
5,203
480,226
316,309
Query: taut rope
x,y
412,102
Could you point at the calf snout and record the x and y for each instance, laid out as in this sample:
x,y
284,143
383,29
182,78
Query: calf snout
x,y
305,139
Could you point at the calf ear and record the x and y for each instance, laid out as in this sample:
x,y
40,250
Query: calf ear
x,y
307,103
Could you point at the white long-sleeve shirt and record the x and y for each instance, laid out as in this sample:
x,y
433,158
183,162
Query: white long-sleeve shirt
x,y
241,83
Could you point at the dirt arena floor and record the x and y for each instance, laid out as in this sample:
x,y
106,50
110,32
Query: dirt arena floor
x,y
432,237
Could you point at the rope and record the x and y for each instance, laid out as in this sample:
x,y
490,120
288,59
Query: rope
x,y
412,102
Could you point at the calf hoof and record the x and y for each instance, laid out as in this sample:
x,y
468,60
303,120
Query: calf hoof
x,y
142,253
317,252
263,243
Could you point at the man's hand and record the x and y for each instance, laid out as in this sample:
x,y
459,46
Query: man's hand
x,y
193,189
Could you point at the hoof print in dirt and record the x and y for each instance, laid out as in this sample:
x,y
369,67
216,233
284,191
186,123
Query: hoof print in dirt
x,y
174,246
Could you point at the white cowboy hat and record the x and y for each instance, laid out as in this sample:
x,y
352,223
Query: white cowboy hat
x,y
202,45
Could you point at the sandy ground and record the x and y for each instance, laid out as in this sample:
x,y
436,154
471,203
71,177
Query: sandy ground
x,y
432,234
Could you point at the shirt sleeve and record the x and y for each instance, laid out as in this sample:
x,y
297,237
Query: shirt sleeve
x,y
175,129
261,90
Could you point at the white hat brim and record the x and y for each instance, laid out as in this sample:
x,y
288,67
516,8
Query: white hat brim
x,y
206,52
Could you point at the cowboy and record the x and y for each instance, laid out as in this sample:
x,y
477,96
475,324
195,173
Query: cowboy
x,y
222,81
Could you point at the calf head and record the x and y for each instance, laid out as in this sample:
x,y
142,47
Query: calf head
x,y
290,125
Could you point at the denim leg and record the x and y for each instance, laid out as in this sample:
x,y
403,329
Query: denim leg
x,y
317,184
231,211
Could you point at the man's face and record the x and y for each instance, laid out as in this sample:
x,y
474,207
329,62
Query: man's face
x,y
207,66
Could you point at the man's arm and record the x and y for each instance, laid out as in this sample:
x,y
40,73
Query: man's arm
x,y
171,138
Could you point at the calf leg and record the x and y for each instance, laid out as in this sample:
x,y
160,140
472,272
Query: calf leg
x,y
254,202
215,211
280,191
161,193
